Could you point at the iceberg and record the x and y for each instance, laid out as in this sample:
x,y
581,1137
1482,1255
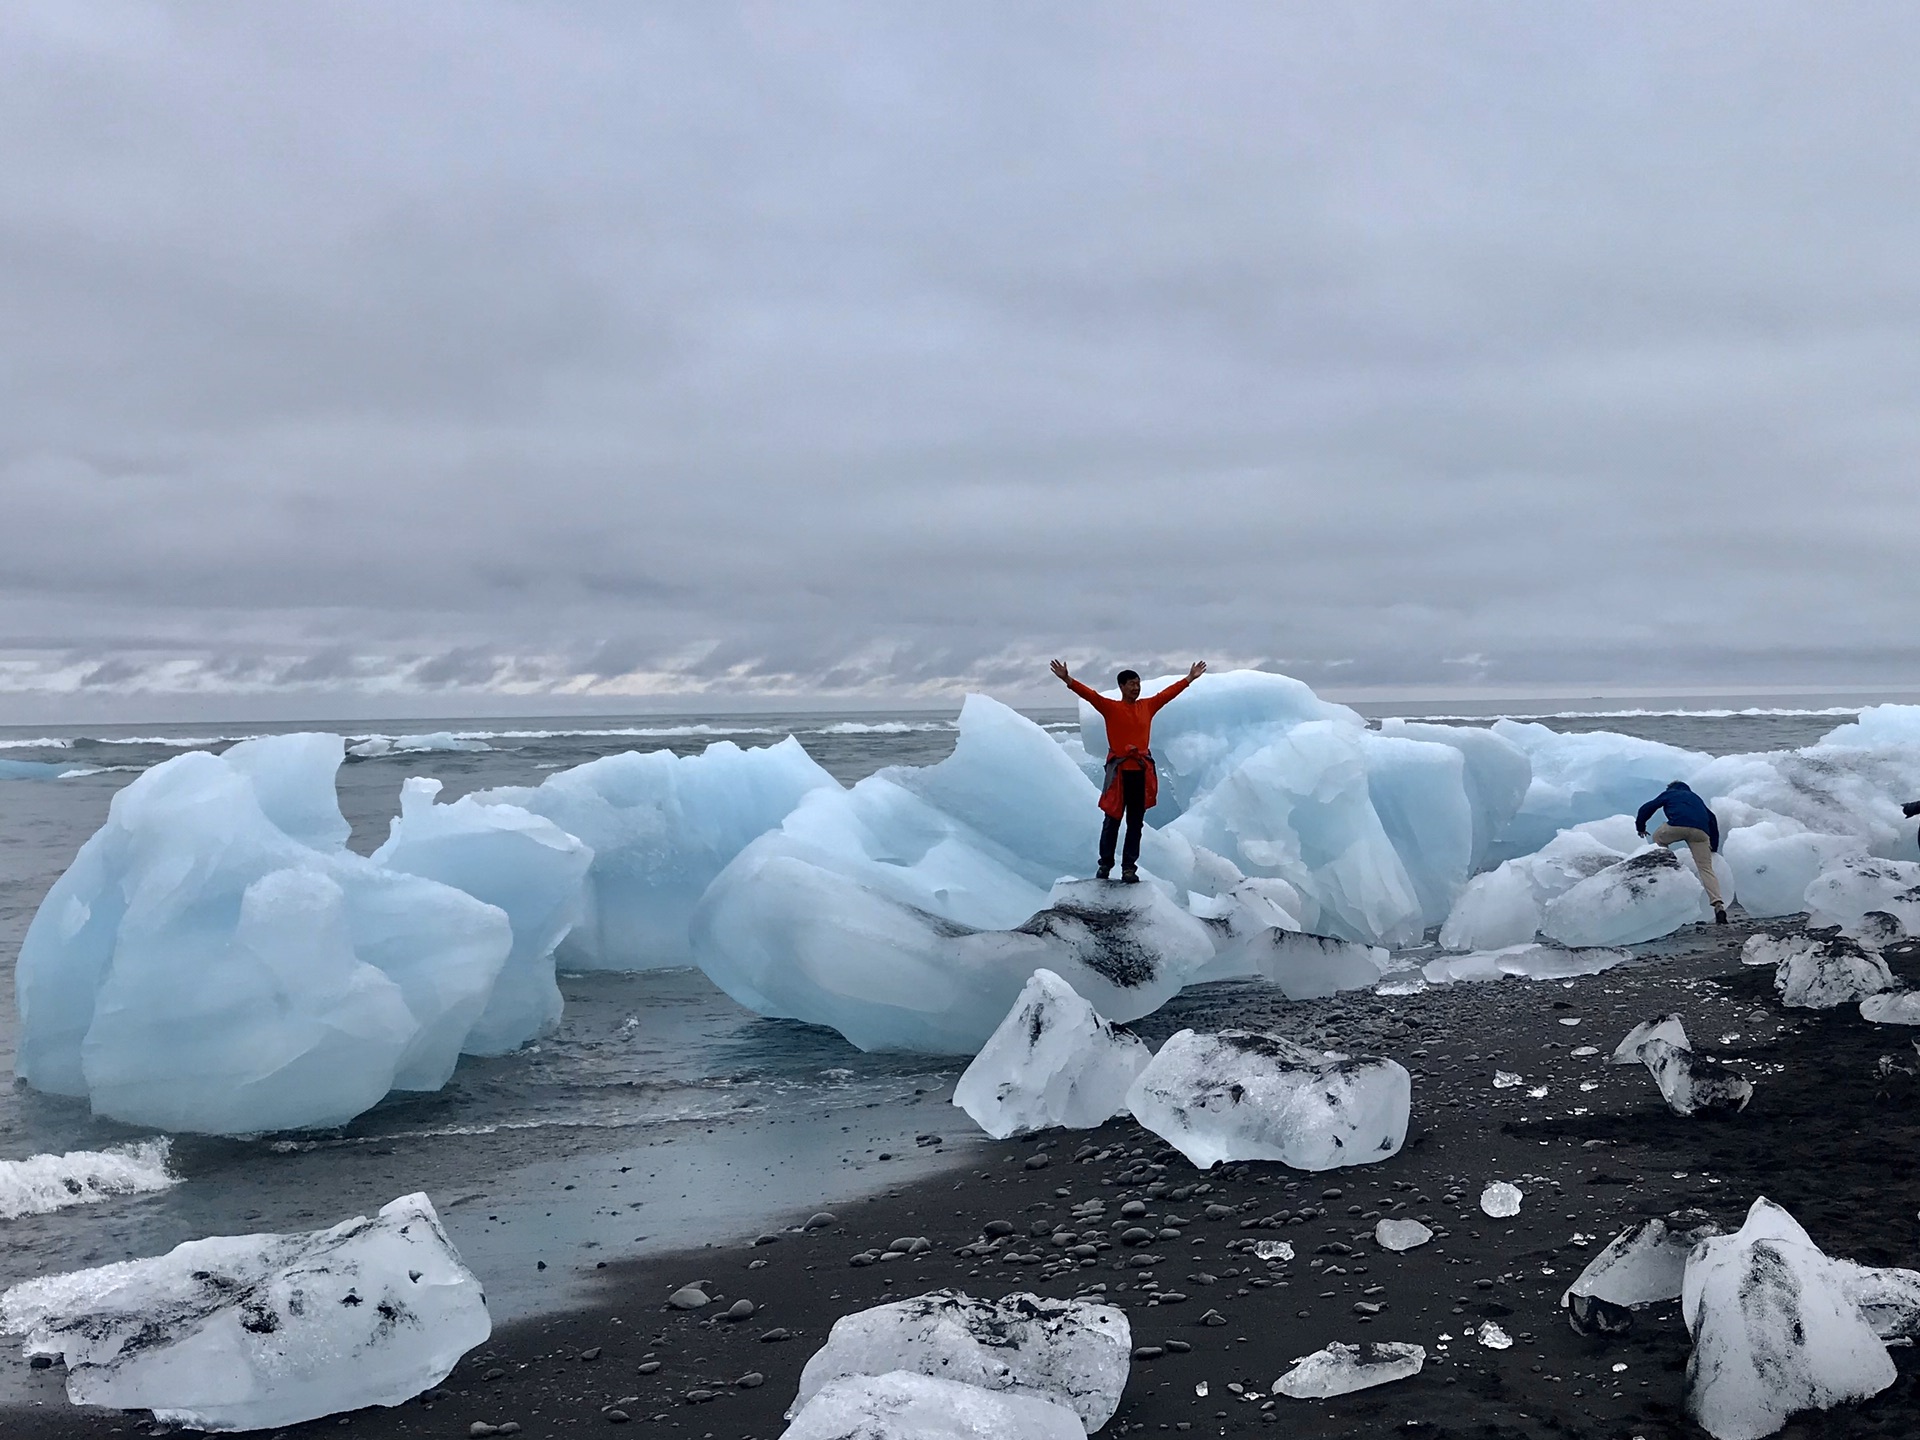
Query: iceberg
x,y
1587,776
1846,893
1053,1061
252,1332
1341,1369
1647,895
1506,906
215,960
1897,1009
1067,1353
376,746
1312,967
660,827
1774,1330
902,1405
1239,1095
523,865
1497,775
1774,861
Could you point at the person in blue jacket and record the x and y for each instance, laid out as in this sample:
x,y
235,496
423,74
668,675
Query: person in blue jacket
x,y
1689,820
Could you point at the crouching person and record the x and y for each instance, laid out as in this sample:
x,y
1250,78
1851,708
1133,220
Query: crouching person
x,y
1689,822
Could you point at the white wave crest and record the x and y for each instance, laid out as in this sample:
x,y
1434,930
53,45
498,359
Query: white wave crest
x,y
883,727
43,742
41,1184
1751,712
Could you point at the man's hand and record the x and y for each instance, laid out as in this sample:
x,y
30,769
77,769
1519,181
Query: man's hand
x,y
1061,670
1199,669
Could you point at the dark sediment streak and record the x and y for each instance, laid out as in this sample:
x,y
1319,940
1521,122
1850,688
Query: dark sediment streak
x,y
1830,1135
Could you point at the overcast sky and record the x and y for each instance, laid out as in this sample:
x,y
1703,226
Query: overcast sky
x,y
468,356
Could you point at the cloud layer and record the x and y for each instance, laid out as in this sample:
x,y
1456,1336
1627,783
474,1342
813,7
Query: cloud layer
x,y
879,351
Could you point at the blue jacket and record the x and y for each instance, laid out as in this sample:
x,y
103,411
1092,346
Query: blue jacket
x,y
1683,807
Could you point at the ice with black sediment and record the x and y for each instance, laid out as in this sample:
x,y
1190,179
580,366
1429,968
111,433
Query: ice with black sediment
x,y
1312,967
1643,1265
906,1405
1340,1369
1067,1352
1661,1027
1053,1061
1774,1330
1693,1084
1846,893
1649,894
1241,1095
1818,973
249,1332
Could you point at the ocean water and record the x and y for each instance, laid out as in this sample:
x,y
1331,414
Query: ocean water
x,y
713,1120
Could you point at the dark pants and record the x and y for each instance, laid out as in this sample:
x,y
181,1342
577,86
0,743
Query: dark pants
x,y
1133,795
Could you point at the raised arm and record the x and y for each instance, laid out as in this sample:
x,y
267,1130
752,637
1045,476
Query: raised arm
x,y
1199,669
1087,693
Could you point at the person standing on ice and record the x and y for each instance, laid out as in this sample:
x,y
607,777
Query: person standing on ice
x,y
1688,819
1132,783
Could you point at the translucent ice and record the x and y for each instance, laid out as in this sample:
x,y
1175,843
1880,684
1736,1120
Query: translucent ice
x,y
1530,962
1692,1084
1647,895
1311,967
1774,1330
1501,1200
526,866
1237,1095
660,827
1066,1352
1774,860
1642,1265
215,960
1581,777
787,938
1053,1061
1341,1369
1818,974
1400,1234
253,1332
903,1405
1845,893
1888,1299
1497,775
1661,1027
1902,1008
1507,905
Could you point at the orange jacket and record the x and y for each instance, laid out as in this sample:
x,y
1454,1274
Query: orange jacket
x,y
1129,726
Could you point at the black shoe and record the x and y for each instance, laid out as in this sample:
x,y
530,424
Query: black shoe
x,y
1130,876
1105,872
1719,914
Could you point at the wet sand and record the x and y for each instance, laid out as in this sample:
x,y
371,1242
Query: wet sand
x,y
1827,1135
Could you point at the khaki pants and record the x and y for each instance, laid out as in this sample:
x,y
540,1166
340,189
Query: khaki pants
x,y
1702,849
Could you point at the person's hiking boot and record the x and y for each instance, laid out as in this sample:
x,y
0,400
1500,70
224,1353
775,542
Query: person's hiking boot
x,y
1719,914
1105,872
1130,876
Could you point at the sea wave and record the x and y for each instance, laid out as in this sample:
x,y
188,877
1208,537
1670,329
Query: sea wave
x,y
1751,712
42,1184
44,742
883,727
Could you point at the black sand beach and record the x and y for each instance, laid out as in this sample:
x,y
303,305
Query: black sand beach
x,y
1830,1134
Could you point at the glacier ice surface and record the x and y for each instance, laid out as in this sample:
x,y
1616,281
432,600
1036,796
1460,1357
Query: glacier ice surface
x,y
524,865
215,960
1774,860
1053,1061
1067,1352
1506,906
1340,1369
904,1405
1774,1330
660,827
1239,1095
251,1332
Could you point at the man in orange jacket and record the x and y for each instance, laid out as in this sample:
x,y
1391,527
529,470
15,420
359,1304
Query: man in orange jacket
x,y
1132,783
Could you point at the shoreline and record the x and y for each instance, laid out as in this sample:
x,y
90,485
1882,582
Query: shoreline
x,y
1824,1136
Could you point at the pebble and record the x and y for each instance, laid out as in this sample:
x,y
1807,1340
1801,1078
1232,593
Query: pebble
x,y
593,1354
1039,1161
496,1373
687,1297
994,1229
767,1239
1132,1209
779,1332
700,1397
1213,1317
752,1380
739,1310
1148,1352
1136,1235
1177,1347
480,1429
820,1219
618,1417
649,1367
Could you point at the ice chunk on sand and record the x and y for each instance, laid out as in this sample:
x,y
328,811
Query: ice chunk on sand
x,y
1401,1234
1818,974
1888,1299
251,1332
214,960
1774,860
1774,1330
1642,1265
1901,1008
1053,1061
1066,1352
376,746
1341,1369
902,1405
1530,962
1843,894
1647,895
526,866
1507,905
1661,1027
1501,1200
1238,1095
1694,1084
1312,967
42,1184
660,827
786,938
1877,930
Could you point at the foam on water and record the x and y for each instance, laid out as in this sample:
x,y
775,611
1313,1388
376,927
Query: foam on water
x,y
42,1184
